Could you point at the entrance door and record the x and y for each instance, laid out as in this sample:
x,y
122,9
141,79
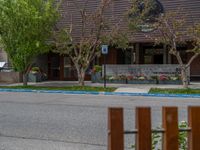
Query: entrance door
x,y
158,59
61,68
69,69
54,67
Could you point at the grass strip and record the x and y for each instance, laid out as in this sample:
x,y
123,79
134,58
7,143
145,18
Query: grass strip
x,y
66,88
174,91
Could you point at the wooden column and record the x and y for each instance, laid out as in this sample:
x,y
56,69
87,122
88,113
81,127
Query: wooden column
x,y
61,67
137,49
194,124
115,129
169,60
49,67
165,54
170,125
143,125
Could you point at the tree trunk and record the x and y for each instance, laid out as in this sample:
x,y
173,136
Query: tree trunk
x,y
81,77
25,79
184,77
183,70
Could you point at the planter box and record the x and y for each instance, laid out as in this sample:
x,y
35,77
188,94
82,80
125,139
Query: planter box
x,y
34,77
142,82
96,77
116,81
170,82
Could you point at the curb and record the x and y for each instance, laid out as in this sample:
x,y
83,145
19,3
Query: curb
x,y
156,95
49,91
101,93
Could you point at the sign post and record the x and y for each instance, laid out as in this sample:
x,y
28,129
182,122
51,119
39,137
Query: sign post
x,y
104,51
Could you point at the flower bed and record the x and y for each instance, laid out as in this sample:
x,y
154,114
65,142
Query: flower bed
x,y
120,79
163,79
138,79
142,81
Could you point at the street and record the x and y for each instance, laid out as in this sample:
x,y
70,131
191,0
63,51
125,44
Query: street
x,y
36,121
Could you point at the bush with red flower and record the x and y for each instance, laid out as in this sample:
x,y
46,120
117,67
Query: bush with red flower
x,y
163,77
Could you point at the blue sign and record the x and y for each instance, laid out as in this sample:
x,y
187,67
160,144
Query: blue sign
x,y
104,49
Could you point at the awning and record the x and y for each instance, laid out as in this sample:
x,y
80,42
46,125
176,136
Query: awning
x,y
2,64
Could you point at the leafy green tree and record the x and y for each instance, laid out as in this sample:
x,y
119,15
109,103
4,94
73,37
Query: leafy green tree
x,y
143,13
25,27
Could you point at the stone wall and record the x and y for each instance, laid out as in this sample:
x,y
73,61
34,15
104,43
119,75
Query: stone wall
x,y
10,77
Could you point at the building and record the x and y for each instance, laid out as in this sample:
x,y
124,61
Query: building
x,y
142,49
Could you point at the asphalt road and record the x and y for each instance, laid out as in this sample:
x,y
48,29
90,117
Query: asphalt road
x,y
35,121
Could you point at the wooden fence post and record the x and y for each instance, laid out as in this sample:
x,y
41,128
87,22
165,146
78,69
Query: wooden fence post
x,y
170,125
115,129
194,124
143,125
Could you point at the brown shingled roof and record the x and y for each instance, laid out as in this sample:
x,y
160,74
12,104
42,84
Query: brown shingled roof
x,y
118,9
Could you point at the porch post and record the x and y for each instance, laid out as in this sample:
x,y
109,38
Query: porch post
x,y
133,54
165,55
137,50
61,67
169,57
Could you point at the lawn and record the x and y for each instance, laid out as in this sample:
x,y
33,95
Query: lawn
x,y
66,88
174,91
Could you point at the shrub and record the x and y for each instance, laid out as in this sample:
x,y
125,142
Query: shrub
x,y
35,70
163,77
157,138
96,69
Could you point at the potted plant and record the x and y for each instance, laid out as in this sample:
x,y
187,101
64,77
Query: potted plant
x,y
96,73
35,75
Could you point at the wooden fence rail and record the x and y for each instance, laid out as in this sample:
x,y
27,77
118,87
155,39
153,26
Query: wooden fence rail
x,y
143,129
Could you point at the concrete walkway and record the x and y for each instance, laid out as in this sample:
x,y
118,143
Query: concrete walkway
x,y
144,88
125,88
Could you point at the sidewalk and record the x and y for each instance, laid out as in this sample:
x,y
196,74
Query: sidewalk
x,y
122,88
144,88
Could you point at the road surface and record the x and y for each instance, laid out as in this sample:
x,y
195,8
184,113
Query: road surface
x,y
36,121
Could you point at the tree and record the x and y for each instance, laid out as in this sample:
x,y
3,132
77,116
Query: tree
x,y
167,28
143,14
95,31
25,26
